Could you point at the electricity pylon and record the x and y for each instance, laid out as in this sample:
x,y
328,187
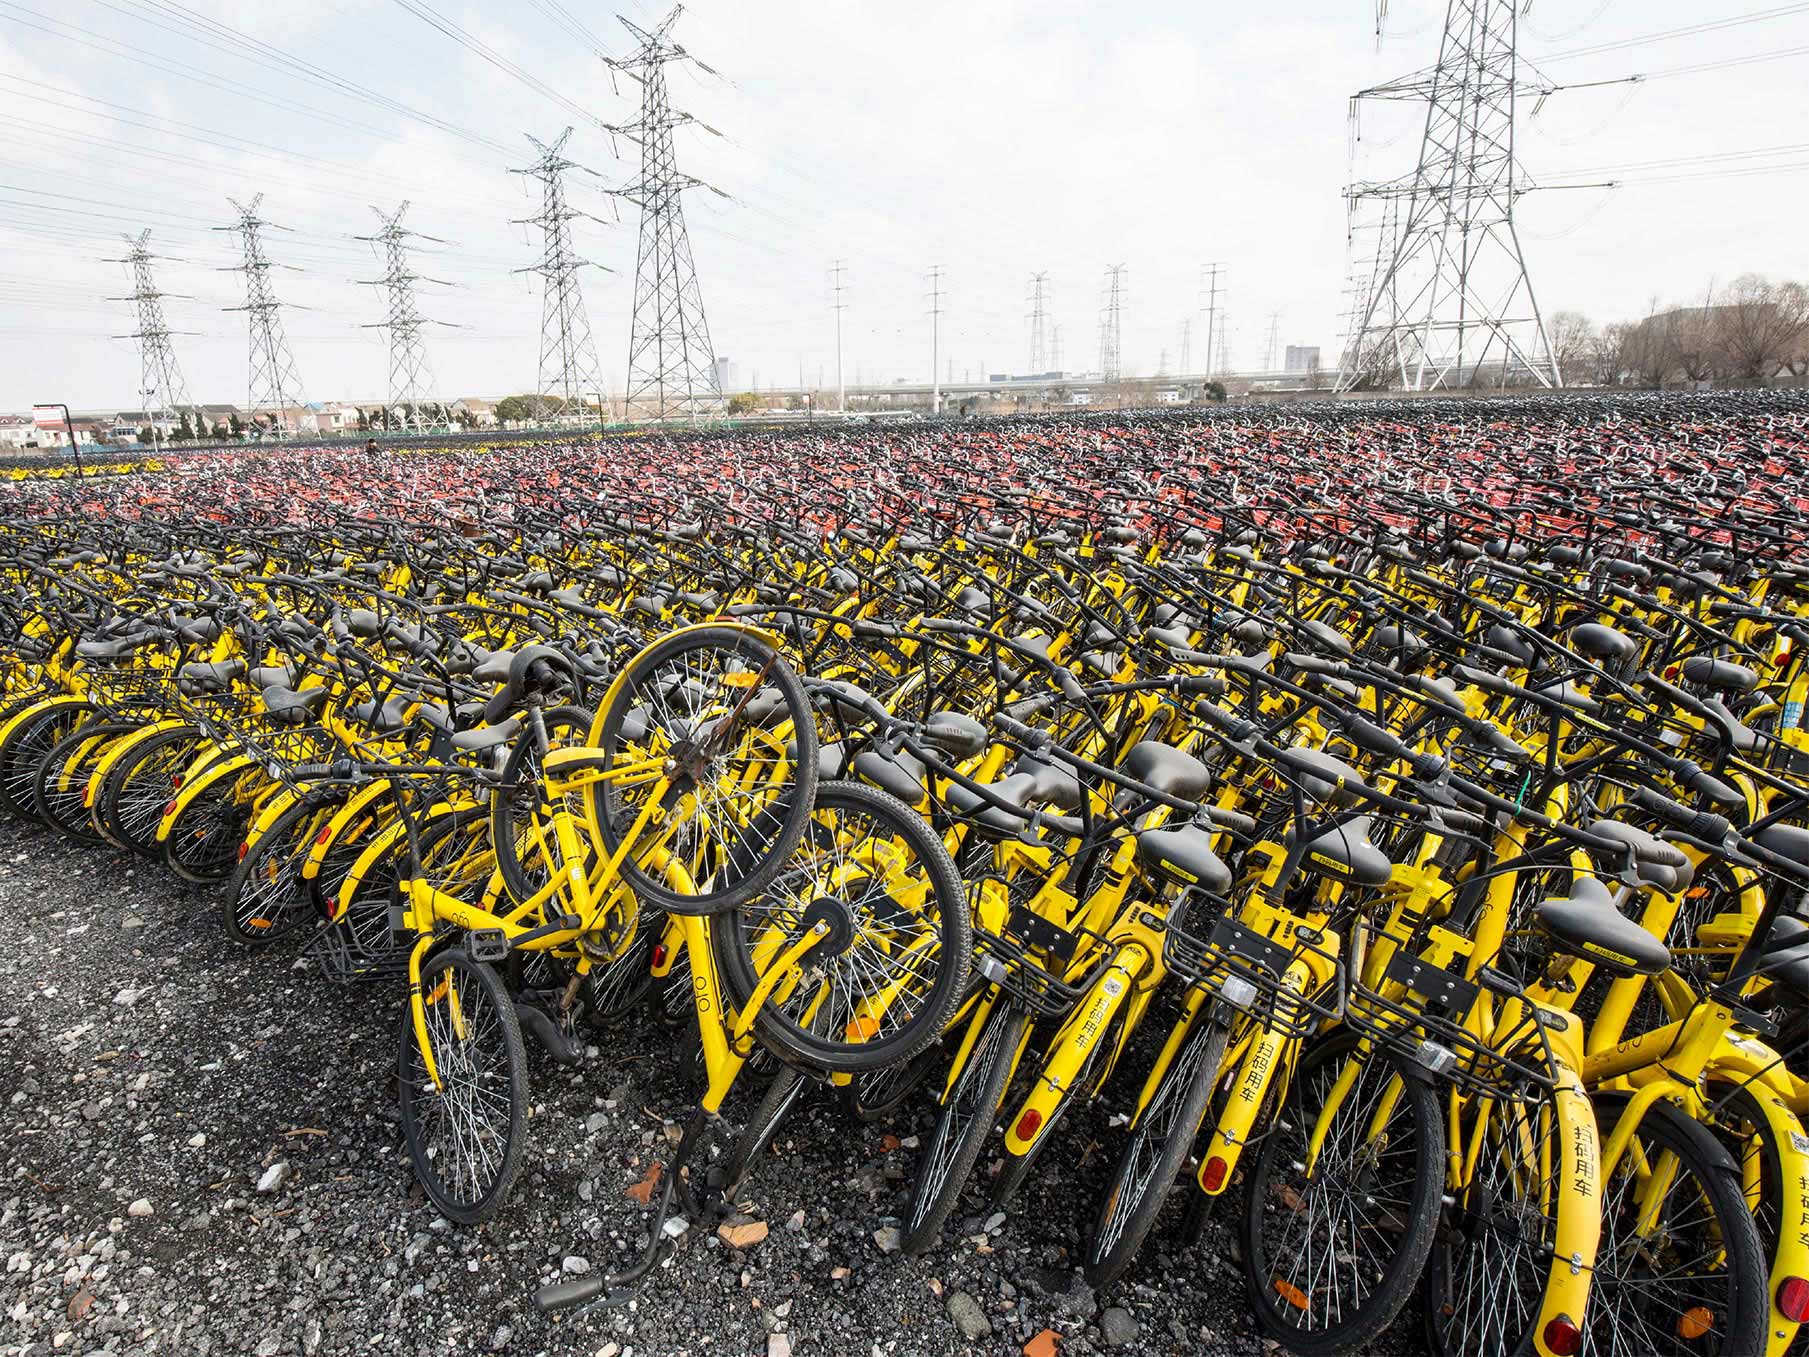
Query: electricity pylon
x,y
273,387
568,357
410,377
671,364
1111,366
1039,324
1452,300
160,376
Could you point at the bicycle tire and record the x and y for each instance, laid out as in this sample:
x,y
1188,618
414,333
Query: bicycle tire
x,y
964,1127
266,896
724,875
874,920
782,1094
135,790
26,745
1618,1288
1163,1138
519,797
204,835
60,786
499,1073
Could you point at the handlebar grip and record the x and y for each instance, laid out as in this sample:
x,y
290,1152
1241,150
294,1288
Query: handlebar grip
x,y
1209,684
1235,821
564,1295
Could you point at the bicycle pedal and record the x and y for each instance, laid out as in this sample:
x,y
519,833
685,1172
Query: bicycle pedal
x,y
487,944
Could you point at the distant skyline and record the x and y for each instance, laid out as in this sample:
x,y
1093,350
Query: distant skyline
x,y
994,140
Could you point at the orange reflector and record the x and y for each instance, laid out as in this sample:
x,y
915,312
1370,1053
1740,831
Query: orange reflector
x,y
1694,1322
862,1029
739,680
1292,1294
1563,1336
1028,1124
258,923
1212,1177
244,848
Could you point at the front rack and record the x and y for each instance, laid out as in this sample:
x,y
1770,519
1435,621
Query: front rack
x,y
1018,957
1422,1014
1207,945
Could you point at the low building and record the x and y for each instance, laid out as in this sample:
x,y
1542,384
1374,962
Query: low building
x,y
17,432
481,413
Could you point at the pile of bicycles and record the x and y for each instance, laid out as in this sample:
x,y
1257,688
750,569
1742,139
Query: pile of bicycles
x,y
1398,819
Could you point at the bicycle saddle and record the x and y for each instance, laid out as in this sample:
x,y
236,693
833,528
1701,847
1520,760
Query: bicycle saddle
x,y
1586,924
1324,777
290,706
1601,642
1166,769
275,676
1345,851
1789,965
899,772
1721,676
202,676
1787,841
1184,855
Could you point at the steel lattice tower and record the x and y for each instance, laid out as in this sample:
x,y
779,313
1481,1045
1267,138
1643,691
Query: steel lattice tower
x,y
671,364
1111,367
1039,324
273,386
1451,298
568,356
160,376
410,376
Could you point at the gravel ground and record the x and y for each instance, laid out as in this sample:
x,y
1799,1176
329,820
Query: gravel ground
x,y
204,1158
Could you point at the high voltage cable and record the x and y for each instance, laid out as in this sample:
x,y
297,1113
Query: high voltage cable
x,y
1687,31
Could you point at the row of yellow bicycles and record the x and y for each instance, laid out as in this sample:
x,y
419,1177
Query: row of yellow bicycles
x,y
1418,894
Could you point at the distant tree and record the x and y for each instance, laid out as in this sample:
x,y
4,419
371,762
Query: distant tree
x,y
1214,391
1571,333
364,421
743,403
513,410
1756,326
465,419
1605,359
147,435
235,426
185,432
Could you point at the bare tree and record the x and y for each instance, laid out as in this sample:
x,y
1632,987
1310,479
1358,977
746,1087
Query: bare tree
x,y
1648,352
1756,328
1571,333
1606,358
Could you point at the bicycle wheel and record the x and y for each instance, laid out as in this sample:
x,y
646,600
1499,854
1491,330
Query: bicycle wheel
x,y
1681,1268
882,983
204,836
722,710
59,787
1157,1148
267,896
1492,1254
465,1139
781,1095
135,790
617,987
28,743
964,1127
877,1094
1331,1256
520,819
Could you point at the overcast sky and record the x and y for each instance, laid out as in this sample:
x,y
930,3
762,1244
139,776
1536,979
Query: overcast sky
x,y
993,139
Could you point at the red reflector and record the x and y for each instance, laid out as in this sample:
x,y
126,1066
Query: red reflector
x,y
1563,1337
1793,1299
326,832
1213,1178
87,796
169,809
1028,1124
176,780
659,954
333,907
244,848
